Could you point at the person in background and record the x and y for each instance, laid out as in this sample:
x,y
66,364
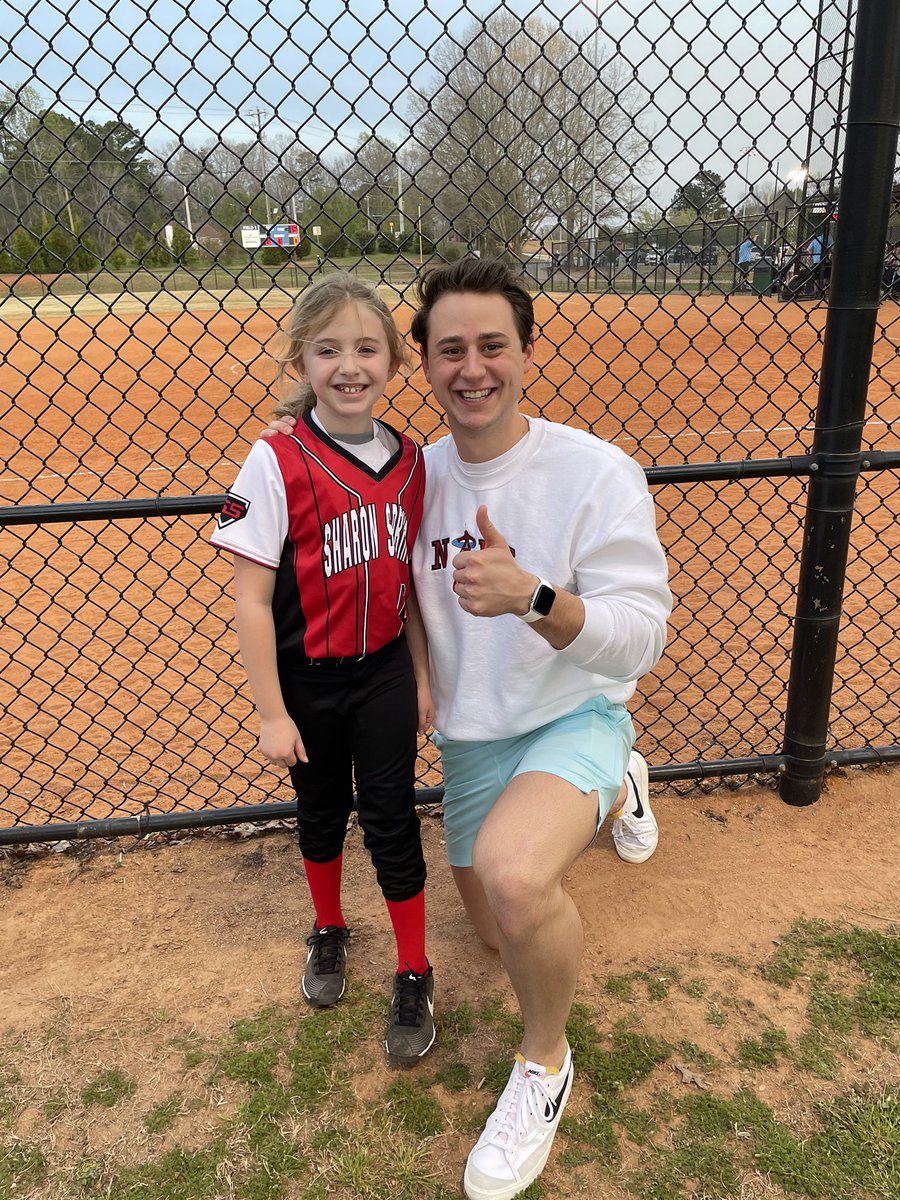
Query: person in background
x,y
745,252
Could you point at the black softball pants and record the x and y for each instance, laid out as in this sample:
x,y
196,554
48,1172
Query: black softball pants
x,y
359,715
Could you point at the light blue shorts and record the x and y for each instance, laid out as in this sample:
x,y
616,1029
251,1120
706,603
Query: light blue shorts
x,y
587,747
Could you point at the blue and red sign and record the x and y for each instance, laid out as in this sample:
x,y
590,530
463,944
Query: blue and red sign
x,y
282,235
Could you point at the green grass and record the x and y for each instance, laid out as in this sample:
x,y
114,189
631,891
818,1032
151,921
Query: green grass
x,y
715,1017
415,1109
21,1165
655,984
765,1050
871,1003
814,1055
178,1175
296,1103
107,1089
163,1116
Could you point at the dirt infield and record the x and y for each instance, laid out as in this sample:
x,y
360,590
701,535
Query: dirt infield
x,y
134,403
119,685
100,404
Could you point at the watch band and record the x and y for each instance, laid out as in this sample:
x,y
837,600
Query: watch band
x,y
540,604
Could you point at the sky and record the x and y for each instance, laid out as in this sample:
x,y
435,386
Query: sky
x,y
720,79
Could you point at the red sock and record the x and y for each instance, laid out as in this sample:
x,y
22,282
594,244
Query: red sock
x,y
324,881
408,919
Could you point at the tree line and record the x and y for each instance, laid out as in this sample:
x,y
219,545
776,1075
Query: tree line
x,y
518,124
520,130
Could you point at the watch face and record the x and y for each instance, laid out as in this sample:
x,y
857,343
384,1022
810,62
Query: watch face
x,y
543,600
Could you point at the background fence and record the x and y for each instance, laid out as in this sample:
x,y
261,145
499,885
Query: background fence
x,y
679,235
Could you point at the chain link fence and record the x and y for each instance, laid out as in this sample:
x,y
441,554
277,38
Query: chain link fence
x,y
172,176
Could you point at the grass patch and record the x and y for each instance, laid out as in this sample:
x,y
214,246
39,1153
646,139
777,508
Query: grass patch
x,y
855,1152
107,1089
764,1051
9,1079
611,1064
161,1118
813,1054
53,1108
874,956
21,1165
189,1045
508,1023
179,1175
415,1109
454,1076
620,986
655,982
495,1075
391,1164
693,1054
457,1022
716,1017
828,1008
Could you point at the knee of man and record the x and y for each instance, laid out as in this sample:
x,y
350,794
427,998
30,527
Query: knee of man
x,y
516,899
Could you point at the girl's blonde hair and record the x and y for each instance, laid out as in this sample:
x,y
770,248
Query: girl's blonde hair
x,y
313,308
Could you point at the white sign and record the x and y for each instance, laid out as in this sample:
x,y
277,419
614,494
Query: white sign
x,y
251,237
317,230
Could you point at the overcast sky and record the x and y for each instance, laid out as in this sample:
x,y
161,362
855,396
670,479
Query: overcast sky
x,y
718,75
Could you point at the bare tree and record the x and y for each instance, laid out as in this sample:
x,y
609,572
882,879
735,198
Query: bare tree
x,y
373,176
523,125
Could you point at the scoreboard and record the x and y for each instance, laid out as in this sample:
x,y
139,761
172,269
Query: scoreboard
x,y
281,235
285,235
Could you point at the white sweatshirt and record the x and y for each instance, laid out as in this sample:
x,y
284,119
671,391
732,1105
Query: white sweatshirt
x,y
576,511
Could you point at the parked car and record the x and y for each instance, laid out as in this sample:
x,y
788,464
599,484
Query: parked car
x,y
708,256
681,254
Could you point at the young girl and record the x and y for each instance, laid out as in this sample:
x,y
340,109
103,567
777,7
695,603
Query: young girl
x,y
321,523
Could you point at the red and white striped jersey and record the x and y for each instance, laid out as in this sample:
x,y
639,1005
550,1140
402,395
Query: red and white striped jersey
x,y
338,535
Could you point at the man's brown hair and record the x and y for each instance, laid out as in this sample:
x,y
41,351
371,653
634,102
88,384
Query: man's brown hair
x,y
487,276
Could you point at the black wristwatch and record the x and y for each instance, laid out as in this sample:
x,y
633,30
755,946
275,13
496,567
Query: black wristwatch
x,y
540,604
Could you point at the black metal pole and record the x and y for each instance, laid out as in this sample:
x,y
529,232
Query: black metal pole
x,y
869,154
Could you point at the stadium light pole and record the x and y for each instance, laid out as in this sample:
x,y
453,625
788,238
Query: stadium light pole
x,y
741,232
742,166
792,179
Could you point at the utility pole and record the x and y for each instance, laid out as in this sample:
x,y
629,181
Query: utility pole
x,y
187,211
69,208
400,199
258,114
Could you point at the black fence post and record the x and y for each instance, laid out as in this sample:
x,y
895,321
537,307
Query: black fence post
x,y
864,206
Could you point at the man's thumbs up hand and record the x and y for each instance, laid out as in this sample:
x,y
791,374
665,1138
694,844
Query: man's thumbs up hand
x,y
488,581
493,538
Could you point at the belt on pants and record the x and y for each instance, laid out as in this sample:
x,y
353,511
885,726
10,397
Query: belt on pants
x,y
331,663
348,660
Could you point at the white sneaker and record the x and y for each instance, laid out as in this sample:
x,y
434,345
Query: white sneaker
x,y
635,832
516,1142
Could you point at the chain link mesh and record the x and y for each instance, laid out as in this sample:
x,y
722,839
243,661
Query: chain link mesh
x,y
170,179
